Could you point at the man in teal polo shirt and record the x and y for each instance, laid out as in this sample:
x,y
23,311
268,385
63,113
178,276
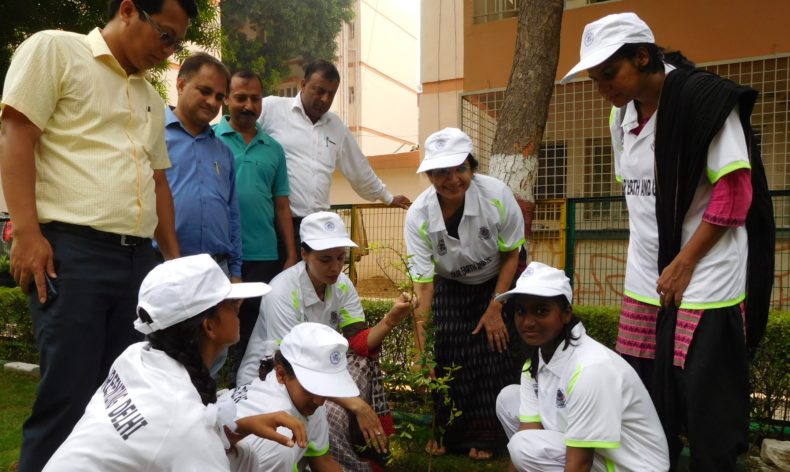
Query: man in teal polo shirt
x,y
262,190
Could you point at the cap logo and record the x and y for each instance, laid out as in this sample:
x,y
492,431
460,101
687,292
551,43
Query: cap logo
x,y
440,144
484,233
334,358
329,226
589,38
528,272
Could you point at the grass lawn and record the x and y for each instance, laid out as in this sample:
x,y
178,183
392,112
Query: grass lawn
x,y
17,392
417,460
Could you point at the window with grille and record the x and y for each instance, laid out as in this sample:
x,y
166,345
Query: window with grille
x,y
493,10
288,91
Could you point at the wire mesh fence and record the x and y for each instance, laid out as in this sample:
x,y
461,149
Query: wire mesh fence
x,y
587,237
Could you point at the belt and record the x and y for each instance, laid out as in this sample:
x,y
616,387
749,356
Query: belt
x,y
90,233
219,257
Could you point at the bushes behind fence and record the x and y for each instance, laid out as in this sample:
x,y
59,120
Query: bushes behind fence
x,y
769,373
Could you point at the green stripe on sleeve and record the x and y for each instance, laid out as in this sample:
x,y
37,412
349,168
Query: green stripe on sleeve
x,y
529,419
295,299
313,451
346,319
574,378
593,444
505,248
424,234
714,177
501,209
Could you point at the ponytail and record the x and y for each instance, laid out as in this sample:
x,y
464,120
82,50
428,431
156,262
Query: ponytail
x,y
182,342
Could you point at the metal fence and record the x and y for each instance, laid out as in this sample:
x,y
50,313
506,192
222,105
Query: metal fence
x,y
588,237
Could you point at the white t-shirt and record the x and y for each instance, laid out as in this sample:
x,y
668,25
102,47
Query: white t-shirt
x,y
146,416
719,279
292,301
491,223
312,150
589,393
269,396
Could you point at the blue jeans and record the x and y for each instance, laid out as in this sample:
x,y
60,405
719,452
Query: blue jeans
x,y
80,333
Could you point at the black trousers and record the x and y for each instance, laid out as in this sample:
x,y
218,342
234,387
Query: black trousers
x,y
251,271
708,400
80,333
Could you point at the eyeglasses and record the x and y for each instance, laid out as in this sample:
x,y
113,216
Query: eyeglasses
x,y
167,39
444,172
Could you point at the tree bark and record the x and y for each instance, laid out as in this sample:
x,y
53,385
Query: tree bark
x,y
514,154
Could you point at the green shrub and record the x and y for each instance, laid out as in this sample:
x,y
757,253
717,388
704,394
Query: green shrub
x,y
770,382
16,327
769,369
600,322
396,345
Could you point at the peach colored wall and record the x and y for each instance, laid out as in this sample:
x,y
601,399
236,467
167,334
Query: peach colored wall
x,y
733,29
397,171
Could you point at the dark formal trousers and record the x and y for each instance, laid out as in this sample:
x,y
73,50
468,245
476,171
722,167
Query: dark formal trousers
x,y
82,330
251,271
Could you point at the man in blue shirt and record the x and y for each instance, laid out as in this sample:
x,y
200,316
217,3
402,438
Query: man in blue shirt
x,y
202,177
262,189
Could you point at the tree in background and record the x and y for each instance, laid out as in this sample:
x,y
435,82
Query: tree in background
x,y
20,19
519,132
265,35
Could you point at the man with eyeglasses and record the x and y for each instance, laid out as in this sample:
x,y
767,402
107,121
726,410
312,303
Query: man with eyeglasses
x,y
83,158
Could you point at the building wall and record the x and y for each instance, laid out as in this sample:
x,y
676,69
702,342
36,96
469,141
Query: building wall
x,y
377,60
733,29
397,171
441,64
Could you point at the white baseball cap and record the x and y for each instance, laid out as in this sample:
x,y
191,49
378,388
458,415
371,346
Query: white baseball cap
x,y
542,280
179,289
446,148
324,230
317,354
605,36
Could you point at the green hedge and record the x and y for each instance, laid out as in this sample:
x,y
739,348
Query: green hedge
x,y
769,369
769,372
16,327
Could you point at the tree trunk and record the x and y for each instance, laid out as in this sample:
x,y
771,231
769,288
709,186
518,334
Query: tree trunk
x,y
520,125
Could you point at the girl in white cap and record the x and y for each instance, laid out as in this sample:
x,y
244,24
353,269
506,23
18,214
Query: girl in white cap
x,y
701,232
463,236
309,367
580,406
317,290
156,411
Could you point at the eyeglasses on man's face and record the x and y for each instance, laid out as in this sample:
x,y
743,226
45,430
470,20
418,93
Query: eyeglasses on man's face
x,y
167,39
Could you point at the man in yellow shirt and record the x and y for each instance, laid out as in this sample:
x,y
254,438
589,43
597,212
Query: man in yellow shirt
x,y
83,158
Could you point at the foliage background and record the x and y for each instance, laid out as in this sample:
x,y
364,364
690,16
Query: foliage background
x,y
20,19
265,35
